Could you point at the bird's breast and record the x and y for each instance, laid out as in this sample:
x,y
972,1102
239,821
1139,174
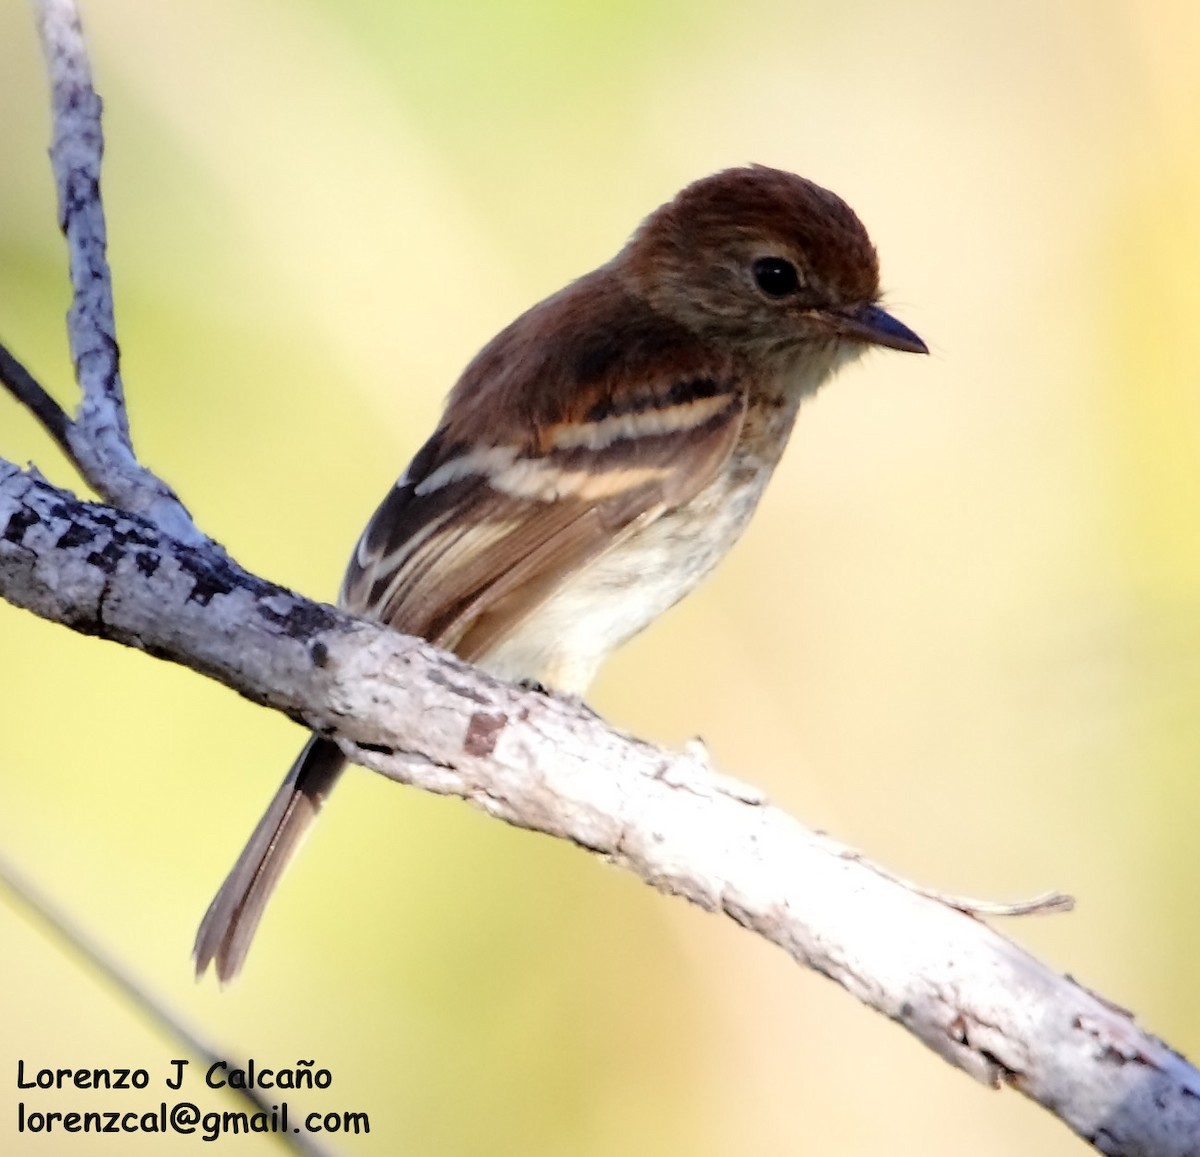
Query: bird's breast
x,y
641,576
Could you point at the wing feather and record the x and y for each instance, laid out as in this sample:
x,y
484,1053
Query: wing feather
x,y
470,542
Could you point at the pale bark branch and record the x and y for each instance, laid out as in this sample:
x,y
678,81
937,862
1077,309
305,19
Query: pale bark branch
x,y
98,439
140,573
420,716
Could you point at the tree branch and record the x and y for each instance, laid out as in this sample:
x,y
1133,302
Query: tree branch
x,y
29,392
420,716
98,440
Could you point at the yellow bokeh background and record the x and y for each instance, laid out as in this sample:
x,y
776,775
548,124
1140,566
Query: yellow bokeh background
x,y
963,632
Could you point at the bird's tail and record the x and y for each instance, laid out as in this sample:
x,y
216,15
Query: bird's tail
x,y
228,925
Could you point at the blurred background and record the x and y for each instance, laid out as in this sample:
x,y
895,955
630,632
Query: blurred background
x,y
963,632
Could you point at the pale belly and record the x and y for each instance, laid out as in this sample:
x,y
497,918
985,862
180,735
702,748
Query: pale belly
x,y
624,590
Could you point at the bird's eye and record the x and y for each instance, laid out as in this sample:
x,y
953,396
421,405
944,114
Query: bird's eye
x,y
775,276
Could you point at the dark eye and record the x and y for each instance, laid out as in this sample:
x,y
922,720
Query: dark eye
x,y
775,276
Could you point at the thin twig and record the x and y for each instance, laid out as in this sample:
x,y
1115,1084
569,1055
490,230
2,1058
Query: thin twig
x,y
1045,904
152,1010
30,393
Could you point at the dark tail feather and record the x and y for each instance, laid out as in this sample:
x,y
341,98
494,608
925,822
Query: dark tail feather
x,y
228,925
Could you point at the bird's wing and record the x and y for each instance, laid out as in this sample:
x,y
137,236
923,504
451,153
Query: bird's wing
x,y
494,526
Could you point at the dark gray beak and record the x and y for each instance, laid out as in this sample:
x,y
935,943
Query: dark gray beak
x,y
875,326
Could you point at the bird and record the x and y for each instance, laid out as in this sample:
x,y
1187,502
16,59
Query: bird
x,y
595,460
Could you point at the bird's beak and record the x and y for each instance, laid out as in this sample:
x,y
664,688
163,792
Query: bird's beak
x,y
868,323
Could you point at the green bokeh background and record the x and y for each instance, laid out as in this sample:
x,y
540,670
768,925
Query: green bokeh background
x,y
963,632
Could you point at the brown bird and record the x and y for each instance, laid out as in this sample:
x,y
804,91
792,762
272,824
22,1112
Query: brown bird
x,y
597,459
